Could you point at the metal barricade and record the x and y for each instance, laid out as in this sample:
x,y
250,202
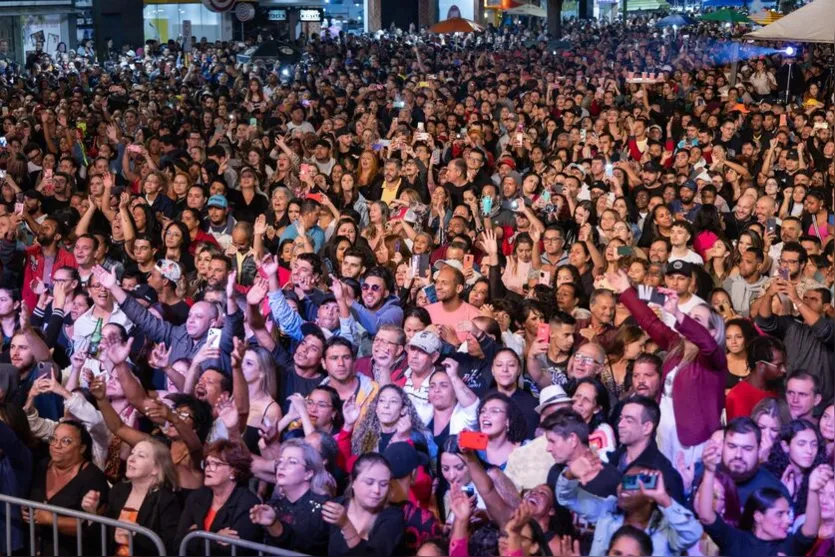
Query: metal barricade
x,y
234,543
79,517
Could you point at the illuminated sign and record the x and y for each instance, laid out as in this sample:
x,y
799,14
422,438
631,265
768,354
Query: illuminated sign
x,y
277,15
307,15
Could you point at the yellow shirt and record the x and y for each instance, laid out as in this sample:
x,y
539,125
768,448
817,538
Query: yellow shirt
x,y
389,192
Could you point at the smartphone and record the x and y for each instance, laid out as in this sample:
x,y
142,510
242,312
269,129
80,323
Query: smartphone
x,y
18,208
42,369
431,293
47,173
213,337
305,103
399,104
783,120
468,261
253,121
625,251
656,297
583,136
473,440
486,205
544,278
469,490
134,148
400,214
771,225
3,141
543,333
630,482
520,139
420,265
610,170
783,273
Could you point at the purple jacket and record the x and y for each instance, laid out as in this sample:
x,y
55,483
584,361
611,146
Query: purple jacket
x,y
699,387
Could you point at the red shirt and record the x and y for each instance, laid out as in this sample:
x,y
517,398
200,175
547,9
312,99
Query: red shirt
x,y
741,400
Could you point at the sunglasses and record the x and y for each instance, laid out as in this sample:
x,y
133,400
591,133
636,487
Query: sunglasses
x,y
372,287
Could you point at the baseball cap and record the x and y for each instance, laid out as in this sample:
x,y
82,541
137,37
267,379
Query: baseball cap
x,y
680,268
652,167
218,201
250,170
454,263
169,269
427,341
146,293
552,394
508,161
403,459
704,176
690,184
580,167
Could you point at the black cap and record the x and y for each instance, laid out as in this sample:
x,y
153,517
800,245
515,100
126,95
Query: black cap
x,y
652,166
680,268
403,459
342,131
327,298
323,143
599,185
146,293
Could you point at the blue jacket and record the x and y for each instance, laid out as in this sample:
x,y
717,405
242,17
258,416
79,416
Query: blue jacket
x,y
390,313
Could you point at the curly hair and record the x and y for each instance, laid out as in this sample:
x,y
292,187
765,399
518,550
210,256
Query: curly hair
x,y
517,426
779,460
367,434
236,455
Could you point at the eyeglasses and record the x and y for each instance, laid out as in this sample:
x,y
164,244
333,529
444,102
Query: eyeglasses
x,y
789,261
372,287
63,441
581,359
386,343
213,465
495,411
321,405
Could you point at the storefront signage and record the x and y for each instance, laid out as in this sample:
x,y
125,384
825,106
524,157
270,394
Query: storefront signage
x,y
310,15
277,15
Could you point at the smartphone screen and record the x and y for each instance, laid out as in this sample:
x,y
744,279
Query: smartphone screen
x,y
543,332
468,261
431,294
624,251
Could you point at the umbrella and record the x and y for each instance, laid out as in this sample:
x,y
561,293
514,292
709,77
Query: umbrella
x,y
456,25
527,9
674,20
726,16
766,17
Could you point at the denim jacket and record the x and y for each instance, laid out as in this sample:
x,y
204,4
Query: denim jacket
x,y
672,534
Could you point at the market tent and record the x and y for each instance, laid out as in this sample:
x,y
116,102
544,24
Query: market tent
x,y
456,25
813,23
726,15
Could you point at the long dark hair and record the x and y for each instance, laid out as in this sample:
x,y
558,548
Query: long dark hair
x,y
760,501
517,428
336,402
602,399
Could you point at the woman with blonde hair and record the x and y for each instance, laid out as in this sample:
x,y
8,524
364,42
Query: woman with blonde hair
x,y
260,374
303,486
147,498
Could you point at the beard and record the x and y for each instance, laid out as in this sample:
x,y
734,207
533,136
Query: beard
x,y
45,241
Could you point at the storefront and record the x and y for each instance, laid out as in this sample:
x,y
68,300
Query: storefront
x,y
163,20
52,26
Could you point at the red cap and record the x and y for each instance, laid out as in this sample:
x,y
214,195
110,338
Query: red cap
x,y
508,161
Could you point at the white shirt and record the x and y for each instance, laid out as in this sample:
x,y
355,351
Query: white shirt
x,y
419,397
86,324
684,307
691,257
464,418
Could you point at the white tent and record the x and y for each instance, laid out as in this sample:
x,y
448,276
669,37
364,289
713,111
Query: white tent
x,y
527,9
813,23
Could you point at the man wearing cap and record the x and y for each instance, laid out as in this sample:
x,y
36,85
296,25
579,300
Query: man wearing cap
x,y
505,167
411,490
529,465
423,352
678,278
164,279
686,203
321,157
220,223
297,121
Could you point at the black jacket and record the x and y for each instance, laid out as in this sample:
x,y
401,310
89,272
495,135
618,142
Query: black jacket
x,y
233,514
160,512
653,459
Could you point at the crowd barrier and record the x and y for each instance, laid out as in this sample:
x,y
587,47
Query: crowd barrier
x,y
79,517
234,544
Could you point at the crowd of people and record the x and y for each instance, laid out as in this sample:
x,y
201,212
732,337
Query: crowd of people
x,y
423,296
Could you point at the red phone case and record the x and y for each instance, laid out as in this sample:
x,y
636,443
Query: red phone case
x,y
473,440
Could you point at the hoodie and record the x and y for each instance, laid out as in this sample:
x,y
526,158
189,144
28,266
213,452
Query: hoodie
x,y
390,313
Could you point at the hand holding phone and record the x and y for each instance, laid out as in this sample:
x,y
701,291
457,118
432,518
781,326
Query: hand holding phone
x,y
543,333
472,440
